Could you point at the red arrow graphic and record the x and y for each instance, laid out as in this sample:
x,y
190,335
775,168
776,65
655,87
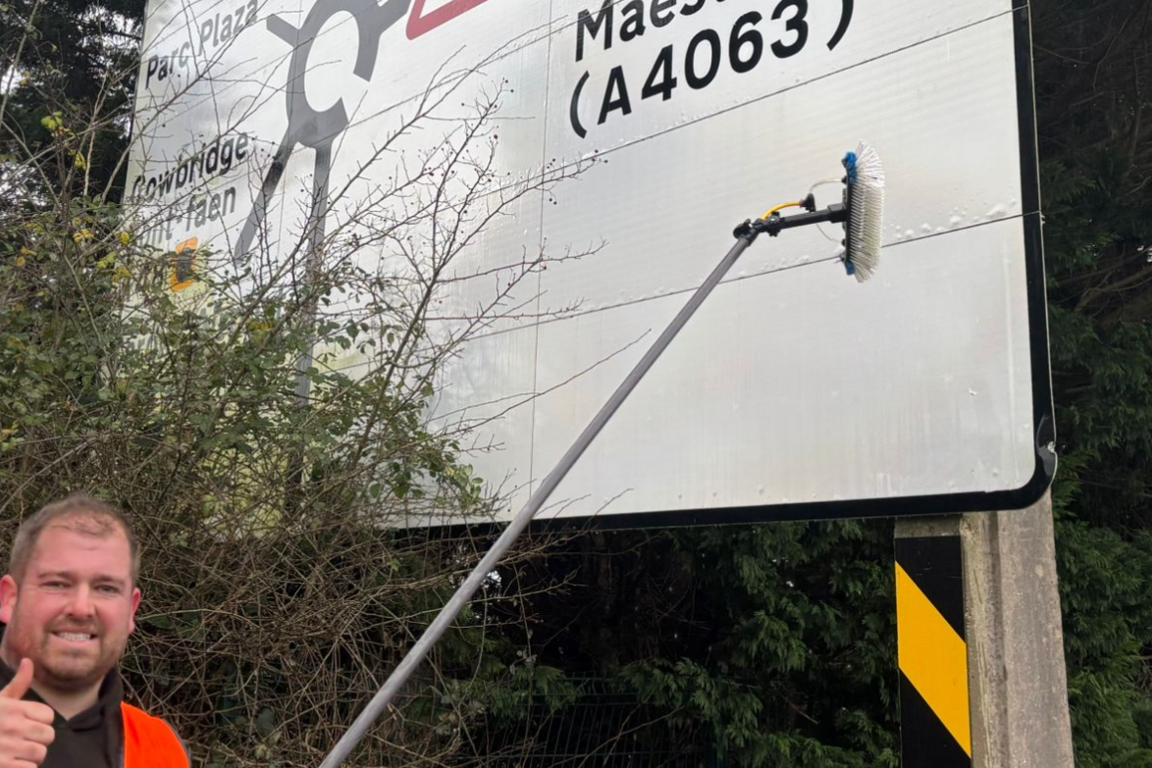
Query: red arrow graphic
x,y
418,23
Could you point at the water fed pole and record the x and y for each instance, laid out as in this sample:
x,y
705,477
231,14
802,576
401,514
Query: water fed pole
x,y
860,213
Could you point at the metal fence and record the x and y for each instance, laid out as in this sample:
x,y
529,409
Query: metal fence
x,y
599,728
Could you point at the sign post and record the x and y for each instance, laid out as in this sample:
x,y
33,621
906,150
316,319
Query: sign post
x,y
983,680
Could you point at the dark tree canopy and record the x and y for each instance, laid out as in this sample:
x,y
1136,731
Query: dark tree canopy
x,y
71,56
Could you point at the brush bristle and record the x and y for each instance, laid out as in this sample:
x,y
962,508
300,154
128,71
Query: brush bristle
x,y
865,201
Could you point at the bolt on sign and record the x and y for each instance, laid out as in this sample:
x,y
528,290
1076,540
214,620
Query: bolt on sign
x,y
794,392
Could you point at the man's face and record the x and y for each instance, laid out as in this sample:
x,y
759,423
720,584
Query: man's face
x,y
73,609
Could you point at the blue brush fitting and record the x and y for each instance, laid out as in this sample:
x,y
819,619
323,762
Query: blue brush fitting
x,y
850,167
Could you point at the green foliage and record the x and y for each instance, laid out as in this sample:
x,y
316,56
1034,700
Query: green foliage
x,y
776,643
1098,206
273,569
1107,614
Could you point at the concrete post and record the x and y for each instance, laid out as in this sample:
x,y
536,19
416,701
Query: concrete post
x,y
1017,678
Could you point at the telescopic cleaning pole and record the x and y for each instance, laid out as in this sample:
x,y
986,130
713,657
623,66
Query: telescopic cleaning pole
x,y
745,234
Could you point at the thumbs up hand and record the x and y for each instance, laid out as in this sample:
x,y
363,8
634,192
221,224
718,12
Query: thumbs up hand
x,y
25,726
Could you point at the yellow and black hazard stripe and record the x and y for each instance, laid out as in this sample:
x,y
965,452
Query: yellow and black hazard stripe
x,y
936,724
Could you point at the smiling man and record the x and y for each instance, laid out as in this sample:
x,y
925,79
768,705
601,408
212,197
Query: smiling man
x,y
69,601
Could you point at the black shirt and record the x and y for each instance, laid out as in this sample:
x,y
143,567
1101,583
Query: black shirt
x,y
91,739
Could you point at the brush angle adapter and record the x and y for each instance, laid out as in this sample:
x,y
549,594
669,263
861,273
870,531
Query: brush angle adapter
x,y
859,212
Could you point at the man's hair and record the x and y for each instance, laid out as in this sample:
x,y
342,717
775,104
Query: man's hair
x,y
79,513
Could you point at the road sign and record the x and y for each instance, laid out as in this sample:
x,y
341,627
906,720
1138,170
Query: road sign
x,y
794,392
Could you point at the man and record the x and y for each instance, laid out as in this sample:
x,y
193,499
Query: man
x,y
69,601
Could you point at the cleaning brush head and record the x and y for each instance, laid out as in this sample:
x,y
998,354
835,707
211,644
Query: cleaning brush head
x,y
864,201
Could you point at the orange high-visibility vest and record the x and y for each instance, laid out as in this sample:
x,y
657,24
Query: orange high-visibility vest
x,y
149,742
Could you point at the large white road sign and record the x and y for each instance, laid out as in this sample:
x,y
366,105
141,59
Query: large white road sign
x,y
795,392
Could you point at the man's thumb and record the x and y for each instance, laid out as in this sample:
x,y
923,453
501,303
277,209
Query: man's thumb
x,y
20,683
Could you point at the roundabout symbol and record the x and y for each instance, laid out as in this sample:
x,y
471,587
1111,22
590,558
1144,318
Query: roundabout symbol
x,y
308,127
